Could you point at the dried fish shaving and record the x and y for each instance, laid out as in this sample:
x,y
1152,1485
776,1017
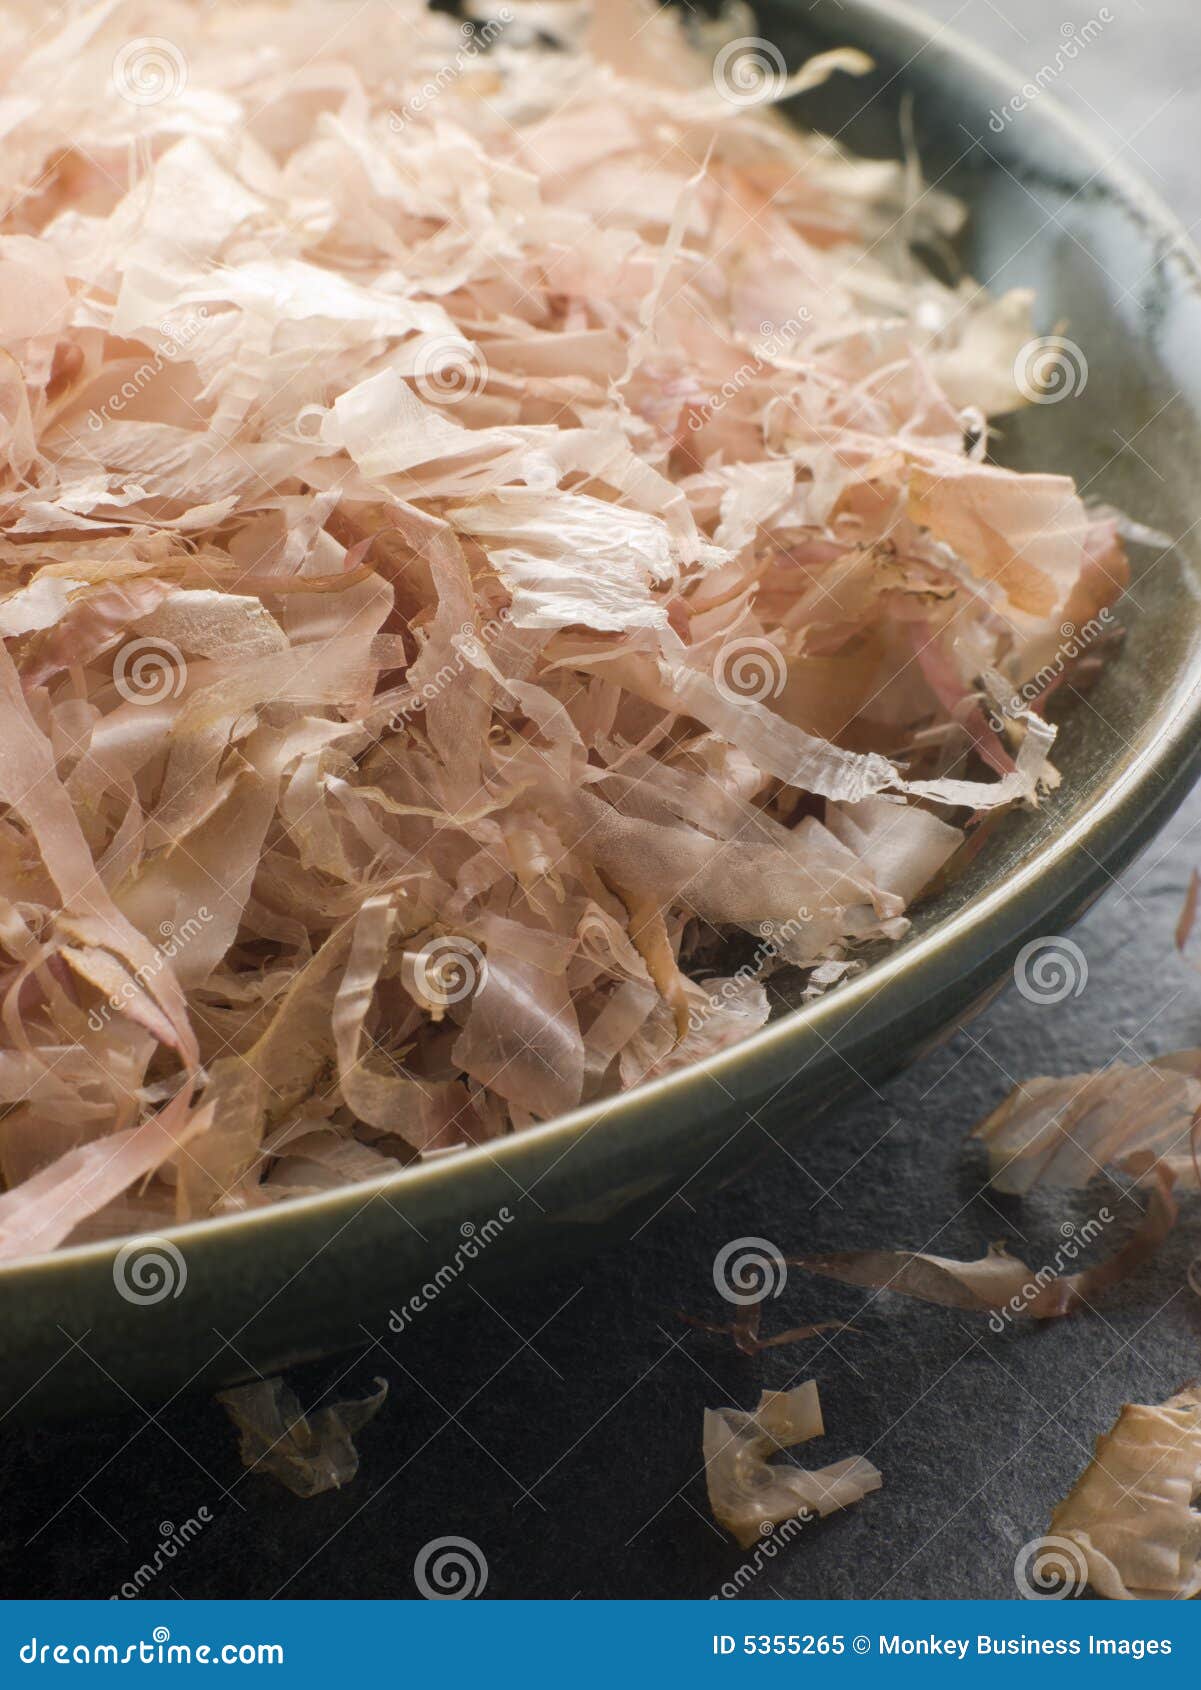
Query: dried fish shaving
x,y
999,1283
307,1453
1067,1130
748,1492
464,494
1132,1513
744,1330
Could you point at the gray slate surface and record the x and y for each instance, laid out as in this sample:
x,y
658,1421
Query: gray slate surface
x,y
559,1429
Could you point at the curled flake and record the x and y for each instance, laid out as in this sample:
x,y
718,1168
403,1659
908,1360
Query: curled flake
x,y
748,1492
999,1283
744,1330
1132,1513
1064,1131
307,1453
395,1102
48,1206
572,561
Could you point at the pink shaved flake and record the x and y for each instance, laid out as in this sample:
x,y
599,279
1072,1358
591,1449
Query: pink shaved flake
x,y
495,528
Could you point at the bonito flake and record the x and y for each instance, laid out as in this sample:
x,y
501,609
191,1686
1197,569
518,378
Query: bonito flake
x,y
489,513
1064,1130
307,1453
749,1493
1132,1513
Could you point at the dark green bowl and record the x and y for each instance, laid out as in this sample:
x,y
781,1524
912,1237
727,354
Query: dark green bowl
x,y
1048,210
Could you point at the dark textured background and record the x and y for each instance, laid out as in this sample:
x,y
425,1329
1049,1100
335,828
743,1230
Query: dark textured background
x,y
559,1428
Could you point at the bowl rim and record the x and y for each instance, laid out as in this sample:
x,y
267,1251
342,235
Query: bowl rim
x,y
1163,762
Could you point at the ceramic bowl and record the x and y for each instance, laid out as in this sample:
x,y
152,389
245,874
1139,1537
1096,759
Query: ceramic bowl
x,y
1049,209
